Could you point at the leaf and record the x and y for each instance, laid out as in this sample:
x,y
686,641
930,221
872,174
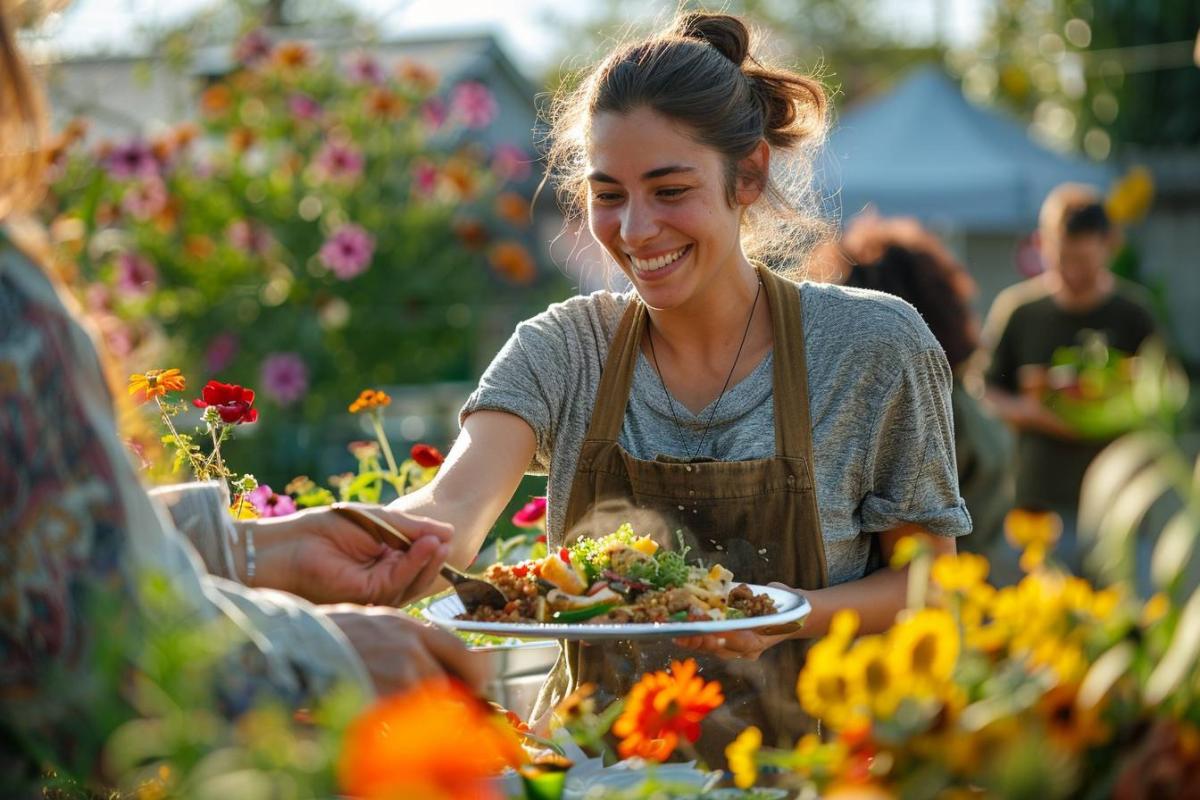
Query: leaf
x,y
1104,673
1174,548
1112,470
1122,518
1180,656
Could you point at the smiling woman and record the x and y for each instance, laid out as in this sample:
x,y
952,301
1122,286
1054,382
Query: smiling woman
x,y
786,431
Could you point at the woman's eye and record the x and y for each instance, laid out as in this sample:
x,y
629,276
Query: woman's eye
x,y
672,192
606,197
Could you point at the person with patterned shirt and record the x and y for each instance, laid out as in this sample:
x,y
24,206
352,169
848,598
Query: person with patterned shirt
x,y
82,542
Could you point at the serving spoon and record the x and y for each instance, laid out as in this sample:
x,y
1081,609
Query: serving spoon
x,y
473,592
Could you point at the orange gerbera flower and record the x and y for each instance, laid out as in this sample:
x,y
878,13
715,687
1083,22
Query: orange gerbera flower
x,y
662,707
369,400
293,56
155,383
382,104
411,745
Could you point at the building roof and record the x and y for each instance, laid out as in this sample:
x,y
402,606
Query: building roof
x,y
923,150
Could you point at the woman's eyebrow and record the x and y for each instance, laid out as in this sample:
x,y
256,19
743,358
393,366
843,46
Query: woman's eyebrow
x,y
596,176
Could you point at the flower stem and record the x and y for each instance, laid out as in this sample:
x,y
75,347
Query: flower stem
x,y
215,458
377,422
197,466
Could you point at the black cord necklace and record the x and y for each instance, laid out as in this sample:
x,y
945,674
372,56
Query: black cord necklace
x,y
713,413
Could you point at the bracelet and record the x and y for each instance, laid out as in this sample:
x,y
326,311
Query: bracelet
x,y
251,563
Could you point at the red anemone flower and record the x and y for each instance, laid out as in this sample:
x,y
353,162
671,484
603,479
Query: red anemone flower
x,y
234,403
427,455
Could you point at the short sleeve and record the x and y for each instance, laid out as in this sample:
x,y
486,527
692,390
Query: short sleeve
x,y
910,475
1002,366
528,378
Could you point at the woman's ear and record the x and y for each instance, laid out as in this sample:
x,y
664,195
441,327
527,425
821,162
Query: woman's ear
x,y
752,172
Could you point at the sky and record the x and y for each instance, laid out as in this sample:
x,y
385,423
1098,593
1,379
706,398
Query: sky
x,y
106,25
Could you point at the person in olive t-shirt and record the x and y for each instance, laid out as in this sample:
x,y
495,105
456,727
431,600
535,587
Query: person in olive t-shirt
x,y
1027,322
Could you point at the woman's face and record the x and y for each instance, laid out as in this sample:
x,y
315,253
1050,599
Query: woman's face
x,y
657,203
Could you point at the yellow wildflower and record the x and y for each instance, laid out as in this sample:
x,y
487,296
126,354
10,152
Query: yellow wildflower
x,y
742,753
1034,533
960,573
1131,196
1155,609
905,551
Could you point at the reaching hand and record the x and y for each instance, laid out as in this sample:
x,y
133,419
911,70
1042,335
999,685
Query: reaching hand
x,y
399,652
326,558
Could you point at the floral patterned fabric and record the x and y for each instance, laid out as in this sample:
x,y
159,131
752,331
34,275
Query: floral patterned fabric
x,y
79,539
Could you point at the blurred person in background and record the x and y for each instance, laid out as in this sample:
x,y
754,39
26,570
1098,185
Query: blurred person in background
x,y
900,257
81,540
1075,295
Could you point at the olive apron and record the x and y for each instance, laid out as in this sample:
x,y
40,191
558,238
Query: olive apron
x,y
758,518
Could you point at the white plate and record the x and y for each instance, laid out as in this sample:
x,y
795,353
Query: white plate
x,y
791,607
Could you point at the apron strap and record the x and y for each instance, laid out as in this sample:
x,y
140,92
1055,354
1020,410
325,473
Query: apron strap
x,y
793,425
613,395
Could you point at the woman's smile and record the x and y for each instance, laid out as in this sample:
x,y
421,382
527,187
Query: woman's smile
x,y
660,266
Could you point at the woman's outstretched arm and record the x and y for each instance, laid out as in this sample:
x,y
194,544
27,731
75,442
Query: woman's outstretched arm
x,y
480,474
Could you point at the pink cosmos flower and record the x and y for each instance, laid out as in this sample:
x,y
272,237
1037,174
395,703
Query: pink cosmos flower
x,y
348,251
473,104
135,274
511,163
532,515
253,48
363,68
221,352
133,159
425,178
434,113
146,199
338,161
269,504
248,237
303,107
284,378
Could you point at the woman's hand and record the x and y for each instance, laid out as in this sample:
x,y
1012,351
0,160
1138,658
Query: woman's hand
x,y
400,652
325,558
747,644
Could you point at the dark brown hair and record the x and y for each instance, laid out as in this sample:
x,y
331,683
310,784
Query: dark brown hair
x,y
702,75
900,257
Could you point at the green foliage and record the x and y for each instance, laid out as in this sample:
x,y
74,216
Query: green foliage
x,y
213,235
1099,74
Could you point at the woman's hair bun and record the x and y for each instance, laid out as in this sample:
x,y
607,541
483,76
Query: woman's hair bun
x,y
727,34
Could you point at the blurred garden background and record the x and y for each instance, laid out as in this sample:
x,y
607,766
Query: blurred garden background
x,y
313,198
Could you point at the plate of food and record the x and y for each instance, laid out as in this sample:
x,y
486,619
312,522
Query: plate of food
x,y
621,586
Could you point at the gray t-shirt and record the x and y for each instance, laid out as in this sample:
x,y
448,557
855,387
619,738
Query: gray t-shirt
x,y
879,394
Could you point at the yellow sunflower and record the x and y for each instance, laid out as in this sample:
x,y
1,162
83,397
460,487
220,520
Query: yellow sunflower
x,y
873,675
823,686
924,649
